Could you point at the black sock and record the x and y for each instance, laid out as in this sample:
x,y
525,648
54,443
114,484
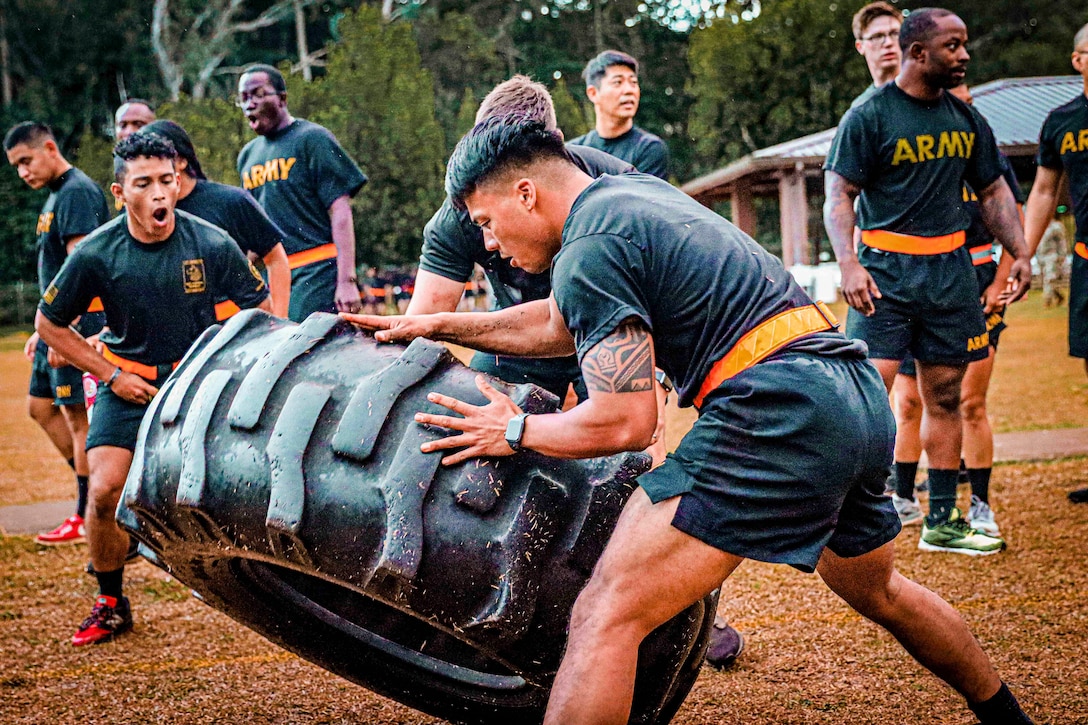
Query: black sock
x,y
905,473
1001,709
81,503
942,494
72,463
109,582
980,483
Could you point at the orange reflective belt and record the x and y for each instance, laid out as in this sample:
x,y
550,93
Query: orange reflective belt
x,y
1081,249
147,372
96,305
910,244
764,339
226,309
309,256
982,255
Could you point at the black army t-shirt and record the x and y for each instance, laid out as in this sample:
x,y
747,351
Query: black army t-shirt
x,y
453,244
643,150
296,174
910,159
75,207
236,212
865,95
1063,145
634,246
158,297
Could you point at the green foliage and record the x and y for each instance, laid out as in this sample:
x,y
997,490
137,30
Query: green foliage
x,y
466,115
218,131
790,71
18,256
568,112
462,59
379,102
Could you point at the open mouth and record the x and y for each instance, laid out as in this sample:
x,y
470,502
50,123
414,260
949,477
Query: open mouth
x,y
159,215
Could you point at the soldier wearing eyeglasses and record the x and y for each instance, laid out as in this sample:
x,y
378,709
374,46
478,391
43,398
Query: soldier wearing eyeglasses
x,y
876,37
305,181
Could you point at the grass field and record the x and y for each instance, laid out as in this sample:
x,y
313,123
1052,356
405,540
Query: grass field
x,y
809,659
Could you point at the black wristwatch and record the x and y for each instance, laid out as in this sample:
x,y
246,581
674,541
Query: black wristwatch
x,y
515,430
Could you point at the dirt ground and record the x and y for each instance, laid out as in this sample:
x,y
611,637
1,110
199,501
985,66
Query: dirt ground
x,y
809,659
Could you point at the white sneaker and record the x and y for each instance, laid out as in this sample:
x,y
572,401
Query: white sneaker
x,y
910,513
981,517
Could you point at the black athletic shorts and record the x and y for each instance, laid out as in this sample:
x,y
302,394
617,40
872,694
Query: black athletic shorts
x,y
553,374
786,458
313,289
995,325
1078,304
929,308
63,385
115,421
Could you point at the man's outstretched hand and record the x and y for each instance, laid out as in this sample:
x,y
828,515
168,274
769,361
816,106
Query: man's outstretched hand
x,y
482,427
393,328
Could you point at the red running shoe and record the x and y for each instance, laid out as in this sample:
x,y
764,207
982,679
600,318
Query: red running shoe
x,y
109,618
71,531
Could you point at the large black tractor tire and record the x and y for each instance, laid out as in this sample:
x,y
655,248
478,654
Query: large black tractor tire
x,y
278,474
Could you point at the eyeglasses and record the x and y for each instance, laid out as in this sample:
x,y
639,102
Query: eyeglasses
x,y
258,95
879,38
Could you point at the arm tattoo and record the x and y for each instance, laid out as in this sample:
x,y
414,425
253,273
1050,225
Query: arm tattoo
x,y
839,215
1002,218
622,362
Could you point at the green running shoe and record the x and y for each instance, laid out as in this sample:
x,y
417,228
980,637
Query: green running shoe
x,y
956,536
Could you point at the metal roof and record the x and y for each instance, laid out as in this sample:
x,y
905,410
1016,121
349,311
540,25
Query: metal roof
x,y
1015,108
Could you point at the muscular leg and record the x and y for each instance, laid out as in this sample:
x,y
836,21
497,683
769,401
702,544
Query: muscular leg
x,y
926,625
887,370
978,438
908,419
942,429
108,543
75,418
648,573
51,420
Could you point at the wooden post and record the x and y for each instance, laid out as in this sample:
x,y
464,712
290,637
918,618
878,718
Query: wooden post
x,y
744,214
793,206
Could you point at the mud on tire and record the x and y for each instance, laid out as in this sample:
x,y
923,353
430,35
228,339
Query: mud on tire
x,y
278,474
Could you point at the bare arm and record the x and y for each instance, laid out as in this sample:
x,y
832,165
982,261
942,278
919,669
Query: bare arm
x,y
434,293
343,236
620,415
858,287
76,351
531,329
71,242
279,280
1042,201
999,213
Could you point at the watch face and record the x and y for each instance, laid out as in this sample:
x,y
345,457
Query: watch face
x,y
515,429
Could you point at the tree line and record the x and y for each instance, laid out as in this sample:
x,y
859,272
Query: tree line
x,y
398,81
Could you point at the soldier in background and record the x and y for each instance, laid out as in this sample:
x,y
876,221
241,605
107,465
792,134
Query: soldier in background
x,y
1053,249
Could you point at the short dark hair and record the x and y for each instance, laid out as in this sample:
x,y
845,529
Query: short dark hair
x,y
177,135
879,9
274,75
140,145
32,133
596,68
496,145
920,26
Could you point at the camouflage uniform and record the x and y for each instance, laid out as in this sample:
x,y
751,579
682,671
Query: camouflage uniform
x,y
1053,249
